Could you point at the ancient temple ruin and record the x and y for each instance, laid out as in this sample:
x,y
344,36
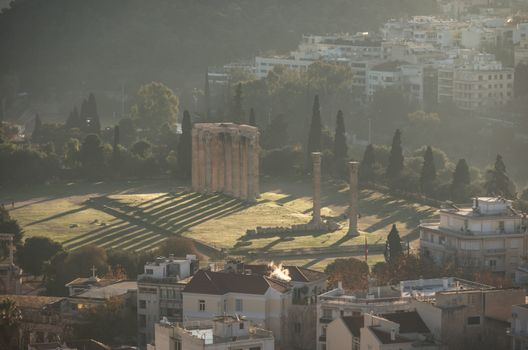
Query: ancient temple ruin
x,y
225,158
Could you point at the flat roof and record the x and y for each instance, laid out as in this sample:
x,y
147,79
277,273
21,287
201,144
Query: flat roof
x,y
106,292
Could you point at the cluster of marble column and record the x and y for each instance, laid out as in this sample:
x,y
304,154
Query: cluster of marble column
x,y
225,158
353,193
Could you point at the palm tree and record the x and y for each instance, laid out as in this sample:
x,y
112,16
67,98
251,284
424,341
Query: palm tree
x,y
10,317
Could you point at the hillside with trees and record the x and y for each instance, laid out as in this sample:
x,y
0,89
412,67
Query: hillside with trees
x,y
60,49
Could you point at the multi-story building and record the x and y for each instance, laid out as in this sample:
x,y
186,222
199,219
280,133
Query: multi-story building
x,y
520,54
219,333
400,330
519,327
44,319
481,83
337,303
383,300
383,75
263,300
300,63
490,234
470,317
160,293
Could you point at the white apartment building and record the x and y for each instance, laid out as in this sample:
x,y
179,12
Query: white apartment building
x,y
519,327
384,300
407,77
160,293
399,330
263,300
361,44
520,53
300,63
478,37
490,233
383,75
337,303
478,83
220,333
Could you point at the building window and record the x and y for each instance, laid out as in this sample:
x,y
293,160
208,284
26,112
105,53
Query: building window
x,y
473,320
238,305
142,304
241,325
254,348
493,263
327,313
201,305
501,226
142,321
149,271
177,345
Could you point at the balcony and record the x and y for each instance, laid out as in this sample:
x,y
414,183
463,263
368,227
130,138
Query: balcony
x,y
497,251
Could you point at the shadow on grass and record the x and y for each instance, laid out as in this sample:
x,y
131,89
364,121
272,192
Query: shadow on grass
x,y
146,228
59,215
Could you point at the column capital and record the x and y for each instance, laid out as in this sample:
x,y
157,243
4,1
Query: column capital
x,y
316,156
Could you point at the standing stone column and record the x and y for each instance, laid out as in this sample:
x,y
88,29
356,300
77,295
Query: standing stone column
x,y
228,150
194,168
316,213
201,162
220,174
244,168
253,176
235,148
213,144
256,166
208,165
353,209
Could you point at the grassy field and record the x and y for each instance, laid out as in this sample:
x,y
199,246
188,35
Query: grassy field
x,y
141,215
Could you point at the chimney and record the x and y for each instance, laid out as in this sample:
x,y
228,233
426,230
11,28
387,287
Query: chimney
x,y
393,334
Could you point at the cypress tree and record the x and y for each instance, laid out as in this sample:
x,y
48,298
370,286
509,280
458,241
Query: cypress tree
x,y
393,247
37,130
116,137
2,109
499,184
94,125
366,168
252,120
207,97
73,120
461,179
395,167
340,145
83,116
276,133
428,174
185,146
461,176
315,134
236,108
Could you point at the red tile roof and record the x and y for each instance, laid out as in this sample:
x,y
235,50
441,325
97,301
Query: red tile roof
x,y
219,283
297,273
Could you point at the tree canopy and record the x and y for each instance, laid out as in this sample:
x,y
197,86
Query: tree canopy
x,y
156,106
35,252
